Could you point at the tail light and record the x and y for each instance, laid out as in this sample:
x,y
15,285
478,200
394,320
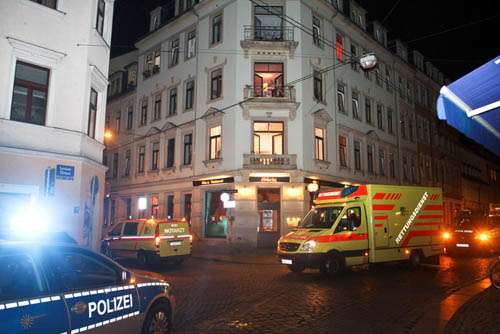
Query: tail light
x,y
157,236
483,236
446,235
190,238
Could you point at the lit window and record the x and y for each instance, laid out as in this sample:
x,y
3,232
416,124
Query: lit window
x,y
215,143
191,44
319,143
268,137
343,151
268,80
339,47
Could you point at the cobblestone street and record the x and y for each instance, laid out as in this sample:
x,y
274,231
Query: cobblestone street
x,y
260,296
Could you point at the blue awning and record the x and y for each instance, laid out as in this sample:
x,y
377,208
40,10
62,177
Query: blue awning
x,y
472,105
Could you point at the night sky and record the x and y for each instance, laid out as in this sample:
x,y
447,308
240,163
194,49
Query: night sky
x,y
455,53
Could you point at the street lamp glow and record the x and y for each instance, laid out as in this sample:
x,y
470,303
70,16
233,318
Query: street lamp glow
x,y
142,203
108,134
312,187
224,197
368,61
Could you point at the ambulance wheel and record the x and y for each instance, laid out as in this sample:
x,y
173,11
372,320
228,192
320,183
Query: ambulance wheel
x,y
158,320
415,259
143,259
333,265
296,267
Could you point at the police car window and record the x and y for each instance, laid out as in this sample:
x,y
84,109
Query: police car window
x,y
78,271
351,220
130,229
19,278
116,231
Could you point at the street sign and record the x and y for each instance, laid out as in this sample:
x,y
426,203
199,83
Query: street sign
x,y
64,172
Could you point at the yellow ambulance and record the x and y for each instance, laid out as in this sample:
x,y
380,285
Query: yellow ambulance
x,y
148,240
367,224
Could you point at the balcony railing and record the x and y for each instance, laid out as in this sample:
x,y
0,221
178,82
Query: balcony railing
x,y
275,94
270,161
268,33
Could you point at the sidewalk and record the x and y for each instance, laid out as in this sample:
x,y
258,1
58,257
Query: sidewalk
x,y
481,314
222,252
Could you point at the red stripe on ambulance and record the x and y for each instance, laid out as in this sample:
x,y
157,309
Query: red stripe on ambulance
x,y
378,207
414,234
379,196
340,237
384,217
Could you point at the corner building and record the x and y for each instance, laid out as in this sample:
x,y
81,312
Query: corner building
x,y
234,96
54,67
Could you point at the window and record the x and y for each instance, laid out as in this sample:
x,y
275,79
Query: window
x,y
155,155
142,156
319,143
216,29
339,47
368,110
152,62
29,99
388,82
381,162
355,106
400,88
351,222
268,23
172,105
392,166
343,151
116,231
48,3
341,98
380,117
268,80
216,84
127,163
130,229
20,278
357,155
115,165
130,117
409,92
174,52
403,125
157,107
118,122
99,24
144,112
268,137
389,121
188,149
187,207
155,206
113,211
410,128
369,156
405,168
170,206
189,95
318,85
170,152
191,44
92,114
354,57
215,143
81,270
413,172
317,39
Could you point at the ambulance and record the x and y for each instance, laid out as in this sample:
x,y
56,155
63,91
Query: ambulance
x,y
148,240
367,224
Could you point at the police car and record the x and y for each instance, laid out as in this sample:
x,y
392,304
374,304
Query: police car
x,y
475,233
63,288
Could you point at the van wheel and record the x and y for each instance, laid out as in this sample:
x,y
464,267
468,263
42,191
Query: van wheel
x,y
143,259
333,265
296,268
415,259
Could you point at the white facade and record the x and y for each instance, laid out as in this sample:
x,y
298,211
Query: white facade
x,y
265,82
45,126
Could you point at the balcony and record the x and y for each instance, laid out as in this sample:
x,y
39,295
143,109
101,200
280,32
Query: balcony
x,y
279,98
268,38
270,161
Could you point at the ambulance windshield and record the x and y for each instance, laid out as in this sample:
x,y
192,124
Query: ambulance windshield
x,y
321,217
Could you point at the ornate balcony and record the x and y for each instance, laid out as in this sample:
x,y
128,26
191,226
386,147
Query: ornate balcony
x,y
268,38
270,161
279,98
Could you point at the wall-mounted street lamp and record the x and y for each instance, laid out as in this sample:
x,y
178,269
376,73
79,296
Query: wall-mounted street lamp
x,y
368,61
312,188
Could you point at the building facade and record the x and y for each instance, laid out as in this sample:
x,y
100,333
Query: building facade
x,y
54,61
238,97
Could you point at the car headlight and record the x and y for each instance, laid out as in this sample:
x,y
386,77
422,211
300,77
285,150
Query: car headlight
x,y
309,246
446,235
483,236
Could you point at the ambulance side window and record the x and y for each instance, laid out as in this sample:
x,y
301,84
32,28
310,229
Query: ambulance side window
x,y
351,220
19,278
77,271
130,229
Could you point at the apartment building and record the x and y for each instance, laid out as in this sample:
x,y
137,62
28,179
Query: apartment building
x,y
54,64
236,97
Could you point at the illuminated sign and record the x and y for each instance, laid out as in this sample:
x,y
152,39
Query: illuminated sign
x,y
269,179
323,183
209,182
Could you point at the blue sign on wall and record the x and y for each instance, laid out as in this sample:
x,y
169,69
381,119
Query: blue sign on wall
x,y
64,172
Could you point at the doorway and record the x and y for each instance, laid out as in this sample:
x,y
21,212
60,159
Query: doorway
x,y
269,207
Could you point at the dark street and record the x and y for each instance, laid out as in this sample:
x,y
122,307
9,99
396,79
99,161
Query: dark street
x,y
229,296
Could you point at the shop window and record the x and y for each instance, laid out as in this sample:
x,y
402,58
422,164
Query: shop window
x,y
187,207
216,220
215,143
268,80
268,201
319,143
268,137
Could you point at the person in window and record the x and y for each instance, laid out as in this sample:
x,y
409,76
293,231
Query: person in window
x,y
353,221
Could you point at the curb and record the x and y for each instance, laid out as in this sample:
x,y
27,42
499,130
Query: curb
x,y
440,313
216,259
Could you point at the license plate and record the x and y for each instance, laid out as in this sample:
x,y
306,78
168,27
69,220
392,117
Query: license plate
x,y
463,245
286,261
175,243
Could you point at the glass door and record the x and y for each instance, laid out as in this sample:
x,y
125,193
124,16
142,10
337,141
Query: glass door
x,y
269,207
